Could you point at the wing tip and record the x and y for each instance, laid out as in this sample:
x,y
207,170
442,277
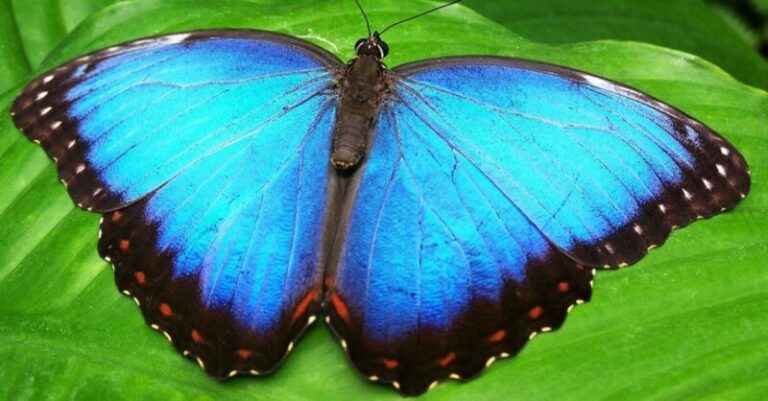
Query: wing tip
x,y
711,186
40,113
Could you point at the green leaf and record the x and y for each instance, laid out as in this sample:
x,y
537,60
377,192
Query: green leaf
x,y
687,322
692,26
13,63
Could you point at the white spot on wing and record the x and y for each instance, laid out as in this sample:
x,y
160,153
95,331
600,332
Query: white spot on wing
x,y
707,183
687,194
638,229
41,95
45,111
610,249
71,144
47,79
663,208
725,151
55,124
720,169
80,168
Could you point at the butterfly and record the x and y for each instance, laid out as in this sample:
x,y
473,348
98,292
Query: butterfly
x,y
437,215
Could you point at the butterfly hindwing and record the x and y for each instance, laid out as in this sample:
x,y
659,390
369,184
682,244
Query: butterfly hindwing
x,y
493,188
230,270
435,280
207,152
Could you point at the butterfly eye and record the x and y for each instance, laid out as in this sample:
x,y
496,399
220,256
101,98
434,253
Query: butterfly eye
x,y
383,48
359,44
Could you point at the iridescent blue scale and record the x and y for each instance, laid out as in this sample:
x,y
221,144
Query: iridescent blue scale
x,y
490,189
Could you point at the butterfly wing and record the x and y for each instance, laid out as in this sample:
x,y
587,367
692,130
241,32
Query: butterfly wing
x,y
208,154
493,188
122,121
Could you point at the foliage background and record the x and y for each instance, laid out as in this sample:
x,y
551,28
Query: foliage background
x,y
687,322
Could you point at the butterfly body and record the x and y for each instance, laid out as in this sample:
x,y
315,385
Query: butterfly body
x,y
361,91
449,228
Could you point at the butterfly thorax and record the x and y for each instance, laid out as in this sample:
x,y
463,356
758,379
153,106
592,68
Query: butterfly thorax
x,y
361,88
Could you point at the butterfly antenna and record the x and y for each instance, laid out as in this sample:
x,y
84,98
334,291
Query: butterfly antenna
x,y
367,24
417,15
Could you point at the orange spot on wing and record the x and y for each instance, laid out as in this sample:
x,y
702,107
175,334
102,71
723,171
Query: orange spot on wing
x,y
390,363
243,353
196,337
165,310
340,307
536,312
302,307
563,286
116,216
124,244
497,336
140,277
447,359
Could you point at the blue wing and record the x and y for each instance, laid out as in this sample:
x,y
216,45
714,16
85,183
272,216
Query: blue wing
x,y
121,122
493,188
208,154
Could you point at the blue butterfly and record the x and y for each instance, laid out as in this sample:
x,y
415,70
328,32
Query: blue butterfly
x,y
438,214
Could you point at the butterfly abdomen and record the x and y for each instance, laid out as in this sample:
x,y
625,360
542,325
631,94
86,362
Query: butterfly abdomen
x,y
360,90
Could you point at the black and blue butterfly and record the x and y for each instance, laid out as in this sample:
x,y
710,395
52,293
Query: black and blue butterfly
x,y
438,214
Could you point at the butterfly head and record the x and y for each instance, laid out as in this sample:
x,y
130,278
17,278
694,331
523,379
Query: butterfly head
x,y
372,46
